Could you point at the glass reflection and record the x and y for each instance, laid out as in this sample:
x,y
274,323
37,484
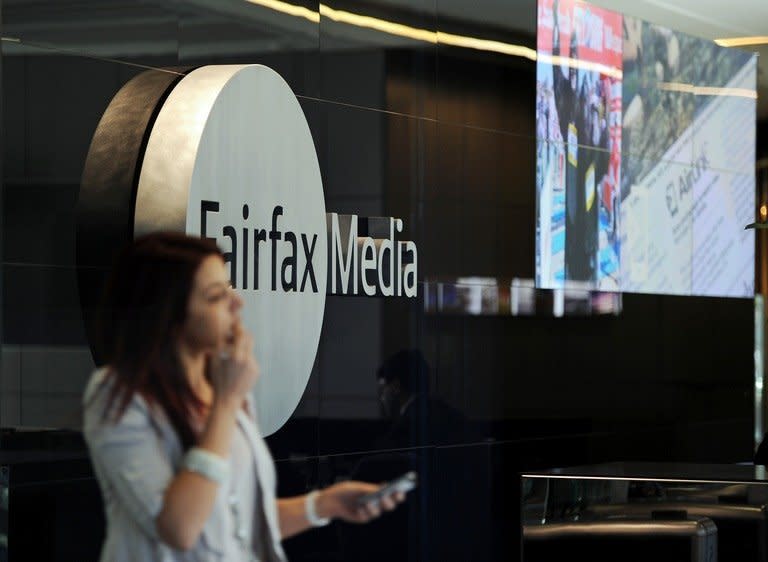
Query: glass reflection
x,y
489,296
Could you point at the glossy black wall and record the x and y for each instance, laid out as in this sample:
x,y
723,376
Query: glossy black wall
x,y
440,135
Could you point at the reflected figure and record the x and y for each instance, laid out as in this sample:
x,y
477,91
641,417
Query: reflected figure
x,y
413,419
416,417
418,424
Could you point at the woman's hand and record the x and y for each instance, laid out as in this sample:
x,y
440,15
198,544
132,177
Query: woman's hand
x,y
234,369
341,501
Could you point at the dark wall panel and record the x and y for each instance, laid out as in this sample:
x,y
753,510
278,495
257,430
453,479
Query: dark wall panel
x,y
440,135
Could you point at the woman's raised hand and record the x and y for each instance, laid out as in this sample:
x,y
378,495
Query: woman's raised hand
x,y
234,369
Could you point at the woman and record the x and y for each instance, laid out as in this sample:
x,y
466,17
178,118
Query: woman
x,y
169,422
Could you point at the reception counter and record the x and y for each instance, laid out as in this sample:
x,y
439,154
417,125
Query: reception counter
x,y
642,511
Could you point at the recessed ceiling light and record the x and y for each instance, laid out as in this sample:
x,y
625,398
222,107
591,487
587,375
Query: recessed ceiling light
x,y
743,41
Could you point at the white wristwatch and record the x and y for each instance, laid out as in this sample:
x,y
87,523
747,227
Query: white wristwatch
x,y
207,464
311,511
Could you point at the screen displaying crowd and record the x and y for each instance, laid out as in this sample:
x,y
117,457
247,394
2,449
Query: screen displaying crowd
x,y
645,156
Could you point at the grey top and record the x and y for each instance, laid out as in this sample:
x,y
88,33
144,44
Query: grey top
x,y
135,459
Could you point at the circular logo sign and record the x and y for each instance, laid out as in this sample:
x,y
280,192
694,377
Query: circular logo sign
x,y
231,157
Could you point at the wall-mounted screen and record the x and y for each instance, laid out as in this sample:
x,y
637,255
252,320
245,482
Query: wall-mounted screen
x,y
645,156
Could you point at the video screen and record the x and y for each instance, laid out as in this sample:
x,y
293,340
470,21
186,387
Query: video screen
x,y
645,156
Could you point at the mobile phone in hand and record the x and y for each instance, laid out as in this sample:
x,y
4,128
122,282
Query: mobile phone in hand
x,y
404,483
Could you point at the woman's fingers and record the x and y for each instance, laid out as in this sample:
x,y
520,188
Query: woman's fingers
x,y
388,503
372,510
376,508
246,344
361,515
235,368
241,345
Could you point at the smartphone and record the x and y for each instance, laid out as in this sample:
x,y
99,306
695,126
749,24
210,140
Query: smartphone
x,y
404,483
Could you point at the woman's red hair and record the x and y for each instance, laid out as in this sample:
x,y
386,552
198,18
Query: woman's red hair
x,y
144,307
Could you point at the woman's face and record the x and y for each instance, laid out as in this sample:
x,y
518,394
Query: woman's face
x,y
213,310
